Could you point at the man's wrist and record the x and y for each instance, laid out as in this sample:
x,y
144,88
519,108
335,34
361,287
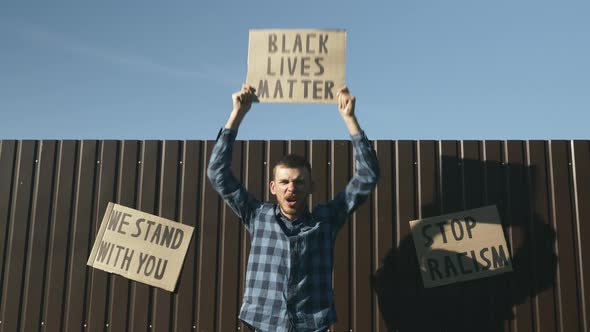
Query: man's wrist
x,y
352,124
235,118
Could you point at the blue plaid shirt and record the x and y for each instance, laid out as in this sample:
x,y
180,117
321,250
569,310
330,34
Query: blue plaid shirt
x,y
289,276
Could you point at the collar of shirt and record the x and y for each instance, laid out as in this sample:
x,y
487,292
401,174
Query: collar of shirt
x,y
291,227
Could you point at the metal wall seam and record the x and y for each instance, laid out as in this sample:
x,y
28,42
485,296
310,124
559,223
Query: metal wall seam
x,y
8,157
39,236
565,241
580,170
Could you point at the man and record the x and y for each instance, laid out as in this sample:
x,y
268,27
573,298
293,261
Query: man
x,y
289,276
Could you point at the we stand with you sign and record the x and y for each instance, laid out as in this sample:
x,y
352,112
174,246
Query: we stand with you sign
x,y
140,246
297,66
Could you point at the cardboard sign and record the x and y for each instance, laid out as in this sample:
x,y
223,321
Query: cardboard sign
x,y
296,66
461,246
140,246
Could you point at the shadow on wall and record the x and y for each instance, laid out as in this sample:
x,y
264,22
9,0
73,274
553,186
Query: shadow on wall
x,y
476,305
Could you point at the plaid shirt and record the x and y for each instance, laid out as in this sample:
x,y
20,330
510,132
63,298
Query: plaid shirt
x,y
289,276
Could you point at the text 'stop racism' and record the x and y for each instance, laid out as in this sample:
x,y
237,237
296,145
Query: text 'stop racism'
x,y
461,246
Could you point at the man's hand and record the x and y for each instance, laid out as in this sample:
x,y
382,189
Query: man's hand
x,y
242,101
345,102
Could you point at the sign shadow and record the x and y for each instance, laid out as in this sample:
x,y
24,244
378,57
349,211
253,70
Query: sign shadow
x,y
485,304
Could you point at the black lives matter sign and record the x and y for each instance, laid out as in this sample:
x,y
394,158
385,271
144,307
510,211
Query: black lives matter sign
x,y
461,246
296,66
140,246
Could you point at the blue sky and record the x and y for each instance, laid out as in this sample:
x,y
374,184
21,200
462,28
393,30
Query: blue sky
x,y
420,69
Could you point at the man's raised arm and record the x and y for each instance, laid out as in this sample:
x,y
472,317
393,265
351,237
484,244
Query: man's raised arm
x,y
366,171
242,102
219,169
346,103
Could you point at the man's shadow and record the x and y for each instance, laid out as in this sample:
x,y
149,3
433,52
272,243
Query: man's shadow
x,y
476,305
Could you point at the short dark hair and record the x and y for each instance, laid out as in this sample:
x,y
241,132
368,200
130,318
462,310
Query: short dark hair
x,y
292,161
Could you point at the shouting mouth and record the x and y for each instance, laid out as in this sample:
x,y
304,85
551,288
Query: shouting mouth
x,y
291,201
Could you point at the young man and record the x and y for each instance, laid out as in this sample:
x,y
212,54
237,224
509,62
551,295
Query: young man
x,y
289,277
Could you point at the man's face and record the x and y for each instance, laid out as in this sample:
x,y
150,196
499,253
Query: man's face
x,y
291,186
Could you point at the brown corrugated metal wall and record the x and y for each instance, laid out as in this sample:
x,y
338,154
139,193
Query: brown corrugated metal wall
x,y
53,194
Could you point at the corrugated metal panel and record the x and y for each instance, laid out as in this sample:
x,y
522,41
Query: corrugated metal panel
x,y
53,194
